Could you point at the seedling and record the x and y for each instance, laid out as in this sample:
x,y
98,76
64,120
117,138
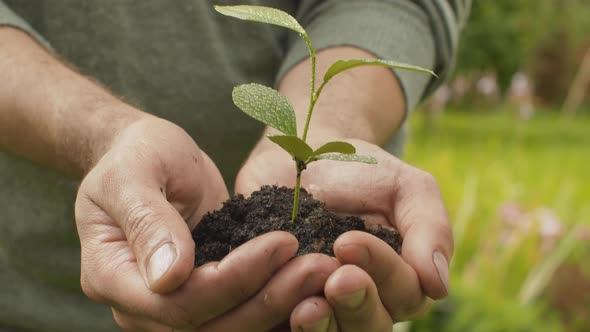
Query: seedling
x,y
273,109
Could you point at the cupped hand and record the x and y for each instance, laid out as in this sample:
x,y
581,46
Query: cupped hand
x,y
134,212
375,286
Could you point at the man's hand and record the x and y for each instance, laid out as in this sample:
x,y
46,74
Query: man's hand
x,y
135,211
148,191
375,286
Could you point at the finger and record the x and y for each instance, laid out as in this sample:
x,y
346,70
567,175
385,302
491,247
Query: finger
x,y
397,282
158,235
215,190
159,238
211,290
133,323
423,222
151,194
313,314
303,277
355,301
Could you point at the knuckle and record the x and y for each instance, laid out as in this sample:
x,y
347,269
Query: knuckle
x,y
105,180
417,183
385,276
270,305
428,181
92,272
236,290
171,318
446,234
228,283
417,311
181,318
243,290
417,178
84,203
180,314
101,181
81,208
124,323
139,223
89,288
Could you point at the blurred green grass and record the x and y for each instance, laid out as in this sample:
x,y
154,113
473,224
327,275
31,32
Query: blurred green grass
x,y
482,161
544,161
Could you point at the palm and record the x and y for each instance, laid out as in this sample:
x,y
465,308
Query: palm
x,y
345,187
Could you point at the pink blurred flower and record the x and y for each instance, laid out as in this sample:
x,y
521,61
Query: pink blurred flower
x,y
510,213
550,228
549,224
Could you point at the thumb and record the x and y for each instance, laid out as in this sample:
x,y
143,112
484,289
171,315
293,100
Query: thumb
x,y
422,219
155,232
160,240
428,248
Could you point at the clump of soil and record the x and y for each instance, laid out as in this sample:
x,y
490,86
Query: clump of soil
x,y
269,209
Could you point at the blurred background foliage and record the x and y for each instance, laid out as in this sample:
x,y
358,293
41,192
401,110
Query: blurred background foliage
x,y
518,197
508,139
545,38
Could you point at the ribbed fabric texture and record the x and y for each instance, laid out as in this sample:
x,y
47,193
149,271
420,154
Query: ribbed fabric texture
x,y
9,18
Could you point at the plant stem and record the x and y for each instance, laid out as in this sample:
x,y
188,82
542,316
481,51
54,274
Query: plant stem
x,y
300,165
296,196
317,93
312,102
312,96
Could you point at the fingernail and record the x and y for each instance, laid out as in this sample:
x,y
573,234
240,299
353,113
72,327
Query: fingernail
x,y
160,262
352,301
442,267
319,326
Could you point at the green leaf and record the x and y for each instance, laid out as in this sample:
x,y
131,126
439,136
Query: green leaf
x,y
296,147
267,106
340,147
346,157
342,65
263,15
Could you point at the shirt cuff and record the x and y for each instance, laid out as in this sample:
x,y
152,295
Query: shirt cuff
x,y
9,18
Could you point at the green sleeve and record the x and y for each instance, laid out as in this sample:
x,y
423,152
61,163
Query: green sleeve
x,y
9,18
422,32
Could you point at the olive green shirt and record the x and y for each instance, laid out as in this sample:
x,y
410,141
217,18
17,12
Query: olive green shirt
x,y
178,60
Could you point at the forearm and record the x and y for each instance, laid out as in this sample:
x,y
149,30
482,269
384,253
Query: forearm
x,y
49,113
365,103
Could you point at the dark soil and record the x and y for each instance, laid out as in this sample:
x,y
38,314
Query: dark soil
x,y
269,209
